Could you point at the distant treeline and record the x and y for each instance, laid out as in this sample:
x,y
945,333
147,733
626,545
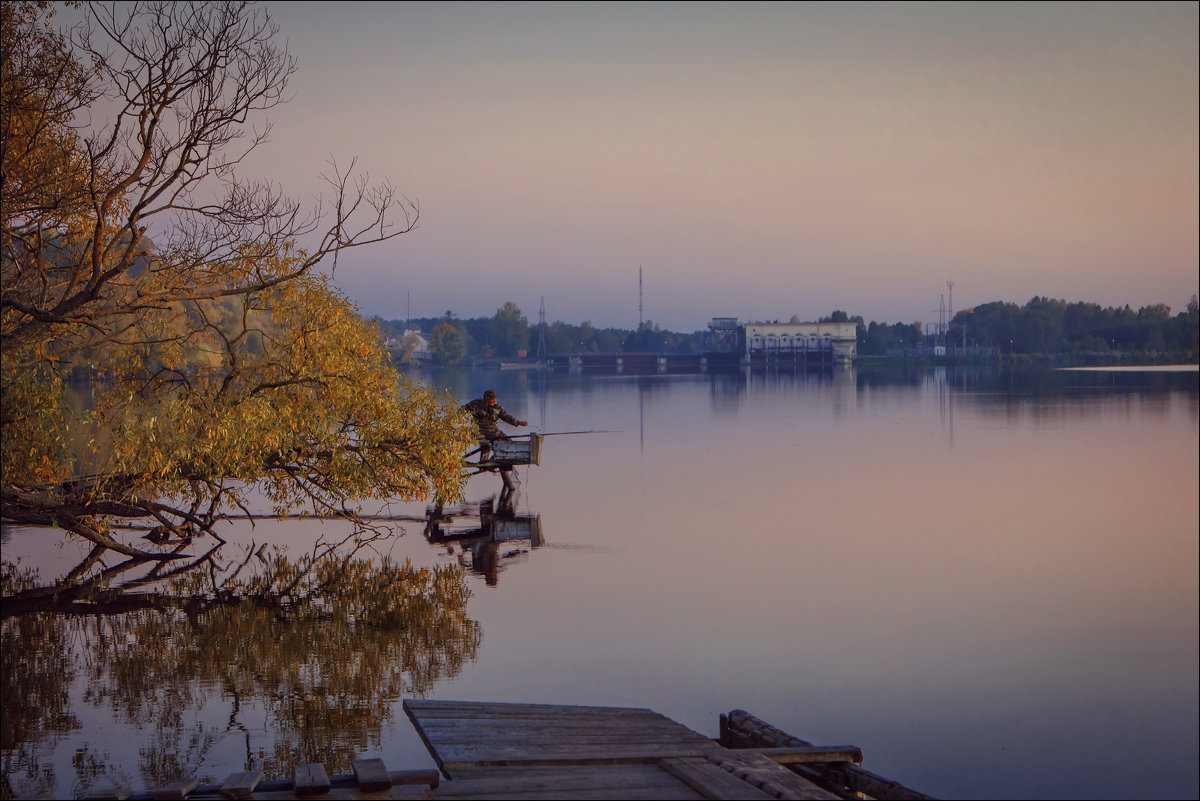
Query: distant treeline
x,y
1043,326
508,334
1048,326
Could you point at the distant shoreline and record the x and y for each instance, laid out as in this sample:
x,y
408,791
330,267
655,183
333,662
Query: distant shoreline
x,y
1143,368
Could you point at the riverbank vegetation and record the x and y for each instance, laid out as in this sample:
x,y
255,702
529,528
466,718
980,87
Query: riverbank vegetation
x,y
228,367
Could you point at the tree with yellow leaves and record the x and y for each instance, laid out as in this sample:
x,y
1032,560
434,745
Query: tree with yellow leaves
x,y
227,365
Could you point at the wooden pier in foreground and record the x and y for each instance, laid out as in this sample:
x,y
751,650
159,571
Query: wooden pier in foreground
x,y
536,751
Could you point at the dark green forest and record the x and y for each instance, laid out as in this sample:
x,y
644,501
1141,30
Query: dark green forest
x,y
508,334
1048,326
1042,327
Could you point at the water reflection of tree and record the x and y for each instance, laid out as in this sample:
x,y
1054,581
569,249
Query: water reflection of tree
x,y
320,646
36,671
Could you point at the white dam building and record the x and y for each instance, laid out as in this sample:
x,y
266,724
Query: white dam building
x,y
819,342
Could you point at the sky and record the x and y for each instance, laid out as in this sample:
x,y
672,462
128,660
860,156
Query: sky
x,y
753,160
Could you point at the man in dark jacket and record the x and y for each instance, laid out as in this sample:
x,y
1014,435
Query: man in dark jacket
x,y
486,412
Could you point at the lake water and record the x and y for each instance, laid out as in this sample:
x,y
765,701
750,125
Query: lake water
x,y
986,579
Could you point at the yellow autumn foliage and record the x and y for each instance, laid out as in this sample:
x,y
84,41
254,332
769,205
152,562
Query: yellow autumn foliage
x,y
223,364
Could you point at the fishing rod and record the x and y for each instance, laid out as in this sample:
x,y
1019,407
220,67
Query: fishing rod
x,y
565,433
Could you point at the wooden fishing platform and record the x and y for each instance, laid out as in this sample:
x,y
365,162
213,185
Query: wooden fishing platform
x,y
505,454
536,751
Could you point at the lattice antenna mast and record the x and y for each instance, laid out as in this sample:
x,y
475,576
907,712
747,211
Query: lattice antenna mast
x,y
541,345
640,320
942,319
950,313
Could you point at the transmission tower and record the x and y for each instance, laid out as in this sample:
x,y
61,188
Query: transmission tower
x,y
541,345
942,320
640,297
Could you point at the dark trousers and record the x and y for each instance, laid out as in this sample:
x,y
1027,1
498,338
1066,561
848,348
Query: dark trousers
x,y
485,444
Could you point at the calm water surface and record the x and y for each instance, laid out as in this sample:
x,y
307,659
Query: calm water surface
x,y
986,580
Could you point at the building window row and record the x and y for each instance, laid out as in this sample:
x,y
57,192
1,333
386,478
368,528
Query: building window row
x,y
773,342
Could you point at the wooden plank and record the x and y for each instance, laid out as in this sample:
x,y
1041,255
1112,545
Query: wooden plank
x,y
567,756
475,707
310,780
530,716
585,745
549,736
175,790
710,780
545,776
651,723
541,726
582,719
241,785
864,781
107,791
605,781
749,730
769,777
532,723
461,728
371,774
553,737
549,741
803,754
464,751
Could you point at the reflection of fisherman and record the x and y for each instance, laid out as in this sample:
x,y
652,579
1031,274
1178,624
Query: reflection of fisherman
x,y
486,412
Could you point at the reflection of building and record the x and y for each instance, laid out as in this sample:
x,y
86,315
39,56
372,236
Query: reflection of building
x,y
798,342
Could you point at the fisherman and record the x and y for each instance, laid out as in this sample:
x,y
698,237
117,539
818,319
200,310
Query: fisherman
x,y
486,412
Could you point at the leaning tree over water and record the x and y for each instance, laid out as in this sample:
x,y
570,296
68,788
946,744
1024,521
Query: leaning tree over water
x,y
226,363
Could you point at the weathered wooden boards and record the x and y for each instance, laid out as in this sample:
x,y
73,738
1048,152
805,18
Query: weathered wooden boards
x,y
710,780
541,751
527,450
241,785
310,780
619,781
768,776
475,734
372,774
740,729
508,453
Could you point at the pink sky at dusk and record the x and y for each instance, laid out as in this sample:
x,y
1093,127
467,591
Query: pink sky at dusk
x,y
757,160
